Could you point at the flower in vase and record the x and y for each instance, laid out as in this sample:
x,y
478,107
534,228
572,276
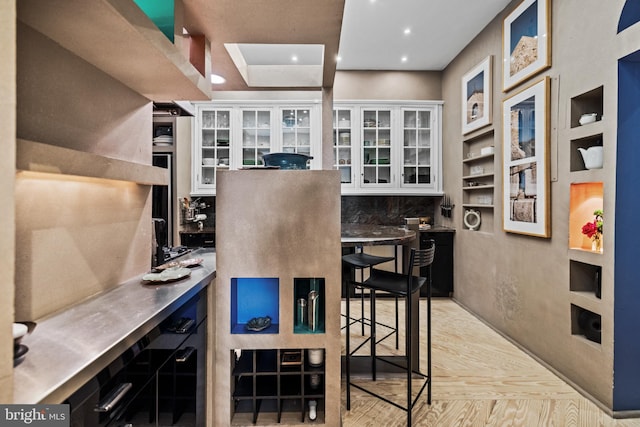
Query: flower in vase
x,y
593,229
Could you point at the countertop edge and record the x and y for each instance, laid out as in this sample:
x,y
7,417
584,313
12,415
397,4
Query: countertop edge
x,y
78,345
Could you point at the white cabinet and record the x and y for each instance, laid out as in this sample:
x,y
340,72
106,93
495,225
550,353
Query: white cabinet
x,y
256,136
388,148
234,135
213,148
417,147
343,146
296,130
376,154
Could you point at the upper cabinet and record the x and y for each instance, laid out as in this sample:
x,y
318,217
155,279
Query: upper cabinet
x,y
388,148
235,135
379,148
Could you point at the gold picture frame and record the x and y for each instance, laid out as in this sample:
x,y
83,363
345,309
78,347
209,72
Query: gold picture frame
x,y
526,42
526,172
476,96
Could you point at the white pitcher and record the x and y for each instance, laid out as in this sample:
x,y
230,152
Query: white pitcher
x,y
592,157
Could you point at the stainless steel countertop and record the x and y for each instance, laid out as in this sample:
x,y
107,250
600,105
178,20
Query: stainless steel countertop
x,y
69,348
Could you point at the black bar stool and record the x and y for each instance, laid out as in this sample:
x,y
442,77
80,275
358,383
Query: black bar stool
x,y
360,261
404,286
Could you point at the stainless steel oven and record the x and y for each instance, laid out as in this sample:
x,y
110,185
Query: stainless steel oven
x,y
160,380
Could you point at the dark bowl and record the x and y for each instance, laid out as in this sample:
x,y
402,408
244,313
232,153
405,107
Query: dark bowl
x,y
287,160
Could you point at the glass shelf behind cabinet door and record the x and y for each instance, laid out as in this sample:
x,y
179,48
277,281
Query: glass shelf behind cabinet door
x,y
342,146
256,136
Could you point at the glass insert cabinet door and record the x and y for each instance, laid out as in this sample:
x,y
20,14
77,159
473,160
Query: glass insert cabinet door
x,y
214,147
296,131
256,136
417,143
342,145
376,154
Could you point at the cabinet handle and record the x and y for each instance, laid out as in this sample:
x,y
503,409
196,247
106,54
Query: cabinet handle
x,y
184,326
112,399
184,354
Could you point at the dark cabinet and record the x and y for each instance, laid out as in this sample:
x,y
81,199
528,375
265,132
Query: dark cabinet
x,y
198,240
442,268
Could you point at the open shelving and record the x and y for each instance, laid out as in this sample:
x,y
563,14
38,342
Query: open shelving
x,y
275,386
478,176
254,297
586,323
311,318
587,103
34,156
586,194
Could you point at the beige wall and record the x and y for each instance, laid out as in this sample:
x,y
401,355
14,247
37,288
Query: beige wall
x,y
74,235
520,284
7,174
388,85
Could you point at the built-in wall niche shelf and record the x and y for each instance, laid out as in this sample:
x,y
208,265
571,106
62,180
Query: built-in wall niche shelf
x,y
586,323
587,103
475,157
484,134
585,199
309,306
254,298
477,187
45,158
478,205
586,153
585,278
276,386
119,39
478,176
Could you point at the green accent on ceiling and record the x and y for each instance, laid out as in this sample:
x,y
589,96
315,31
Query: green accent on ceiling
x,y
161,12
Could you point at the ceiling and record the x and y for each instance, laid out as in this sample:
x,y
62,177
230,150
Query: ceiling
x,y
247,36
373,32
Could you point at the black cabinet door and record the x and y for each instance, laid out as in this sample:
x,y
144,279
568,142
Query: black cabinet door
x,y
442,268
198,240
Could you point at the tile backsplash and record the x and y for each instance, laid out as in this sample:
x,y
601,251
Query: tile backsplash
x,y
386,210
382,210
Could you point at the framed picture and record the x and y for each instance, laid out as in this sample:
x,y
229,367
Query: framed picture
x,y
476,97
526,42
526,161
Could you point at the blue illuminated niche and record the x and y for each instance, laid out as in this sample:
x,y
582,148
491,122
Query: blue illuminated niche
x,y
254,297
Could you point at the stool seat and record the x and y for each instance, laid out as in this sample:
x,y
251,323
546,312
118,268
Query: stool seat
x,y
363,260
393,283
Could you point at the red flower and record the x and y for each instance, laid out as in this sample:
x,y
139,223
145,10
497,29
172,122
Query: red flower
x,y
590,229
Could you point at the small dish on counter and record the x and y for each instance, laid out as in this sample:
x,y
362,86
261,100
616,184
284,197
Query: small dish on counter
x,y
168,275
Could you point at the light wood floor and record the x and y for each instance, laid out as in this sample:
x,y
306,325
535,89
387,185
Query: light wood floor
x,y
479,379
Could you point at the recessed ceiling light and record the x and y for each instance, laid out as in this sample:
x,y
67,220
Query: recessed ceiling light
x,y
407,31
404,59
294,58
338,58
217,80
